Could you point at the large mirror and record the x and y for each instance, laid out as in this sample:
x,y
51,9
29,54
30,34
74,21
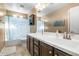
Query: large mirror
x,y
74,20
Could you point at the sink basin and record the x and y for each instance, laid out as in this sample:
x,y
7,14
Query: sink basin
x,y
75,37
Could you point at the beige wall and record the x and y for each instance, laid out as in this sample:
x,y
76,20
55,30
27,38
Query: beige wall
x,y
60,14
2,30
2,35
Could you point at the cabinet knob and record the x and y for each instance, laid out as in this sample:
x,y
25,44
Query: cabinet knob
x,y
50,52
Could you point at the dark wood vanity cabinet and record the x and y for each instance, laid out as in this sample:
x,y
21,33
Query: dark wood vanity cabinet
x,y
33,46
39,48
30,44
46,50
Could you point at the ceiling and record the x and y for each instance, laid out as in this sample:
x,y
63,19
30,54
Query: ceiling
x,y
19,7
27,7
51,8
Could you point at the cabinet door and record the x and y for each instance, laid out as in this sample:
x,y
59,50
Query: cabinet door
x,y
57,52
45,50
30,44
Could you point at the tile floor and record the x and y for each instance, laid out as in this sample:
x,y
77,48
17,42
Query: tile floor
x,y
21,50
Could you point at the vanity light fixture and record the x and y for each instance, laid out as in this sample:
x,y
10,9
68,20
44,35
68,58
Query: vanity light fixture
x,y
41,6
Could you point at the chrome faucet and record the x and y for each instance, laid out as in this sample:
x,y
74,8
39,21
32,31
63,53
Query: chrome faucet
x,y
67,36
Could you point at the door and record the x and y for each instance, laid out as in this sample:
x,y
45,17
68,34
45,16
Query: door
x,y
46,50
31,45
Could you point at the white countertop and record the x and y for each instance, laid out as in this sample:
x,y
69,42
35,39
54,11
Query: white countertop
x,y
68,46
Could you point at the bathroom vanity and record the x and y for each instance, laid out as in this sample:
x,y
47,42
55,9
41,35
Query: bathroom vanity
x,y
48,44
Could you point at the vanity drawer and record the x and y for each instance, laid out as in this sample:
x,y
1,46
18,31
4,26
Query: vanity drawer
x,y
36,42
